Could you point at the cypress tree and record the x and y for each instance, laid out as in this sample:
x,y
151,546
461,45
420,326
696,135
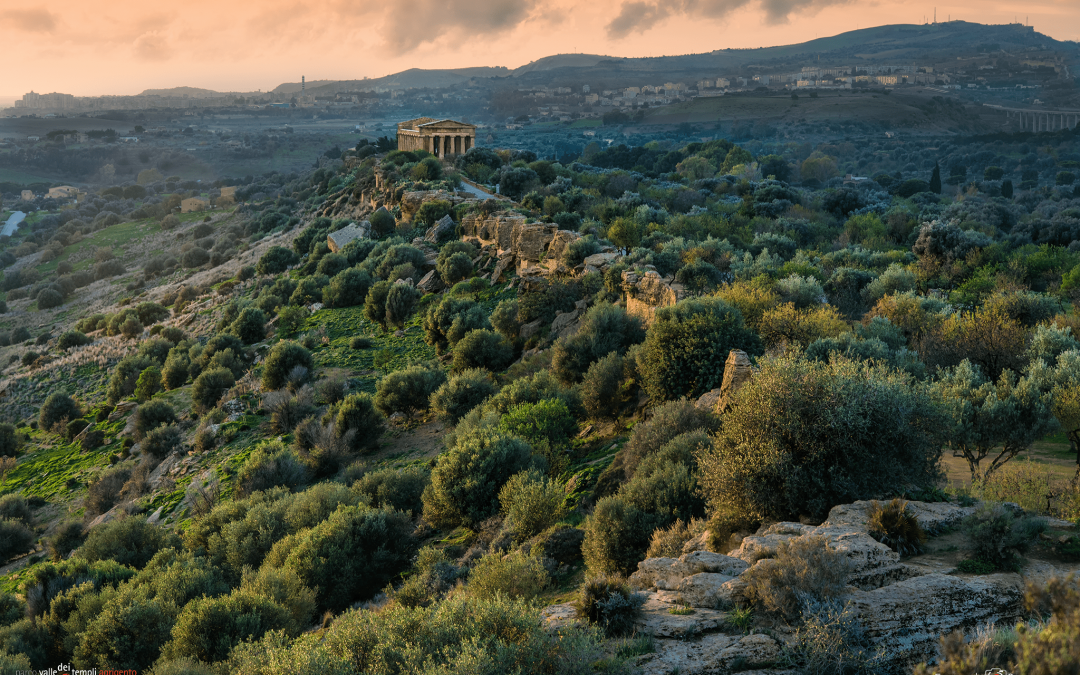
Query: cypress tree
x,y
935,180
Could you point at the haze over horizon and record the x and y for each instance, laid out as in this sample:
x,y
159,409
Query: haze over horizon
x,y
121,48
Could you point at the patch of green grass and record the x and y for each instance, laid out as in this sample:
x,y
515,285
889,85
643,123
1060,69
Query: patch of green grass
x,y
580,124
974,566
45,472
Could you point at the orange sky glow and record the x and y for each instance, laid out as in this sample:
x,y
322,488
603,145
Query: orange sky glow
x,y
94,47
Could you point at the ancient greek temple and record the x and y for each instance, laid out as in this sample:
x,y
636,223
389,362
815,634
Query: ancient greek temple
x,y
441,138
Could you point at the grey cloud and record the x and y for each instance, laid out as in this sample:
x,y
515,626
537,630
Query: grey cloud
x,y
409,26
33,20
641,15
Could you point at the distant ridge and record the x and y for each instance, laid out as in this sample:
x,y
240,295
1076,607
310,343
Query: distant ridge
x,y
900,43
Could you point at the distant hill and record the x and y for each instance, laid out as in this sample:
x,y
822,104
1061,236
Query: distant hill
x,y
193,92
562,61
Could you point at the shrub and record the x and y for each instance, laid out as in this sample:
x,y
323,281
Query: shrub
x,y
287,409
19,334
668,421
454,268
375,303
57,409
609,603
447,322
466,480
129,541
49,298
208,628
10,441
101,494
349,556
532,503
126,376
686,347
601,389
151,415
276,260
831,641
544,423
398,489
514,575
271,464
72,338
400,300
148,384
999,536
482,349
382,223
67,537
347,288
131,328
250,326
787,324
194,257
15,538
617,534
450,636
291,319
162,441
210,386
604,328
893,526
805,568
357,413
14,507
776,457
285,356
408,390
504,319
461,393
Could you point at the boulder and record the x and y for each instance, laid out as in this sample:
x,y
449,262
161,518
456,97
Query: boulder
x,y
737,371
933,516
351,232
708,400
496,229
909,617
565,323
705,589
712,653
530,329
122,408
442,230
601,260
431,283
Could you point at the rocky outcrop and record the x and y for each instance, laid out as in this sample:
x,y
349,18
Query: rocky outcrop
x,y
667,573
442,230
909,617
646,292
737,371
531,242
351,232
412,201
497,228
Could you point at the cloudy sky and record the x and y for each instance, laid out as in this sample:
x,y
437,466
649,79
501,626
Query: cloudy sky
x,y
92,47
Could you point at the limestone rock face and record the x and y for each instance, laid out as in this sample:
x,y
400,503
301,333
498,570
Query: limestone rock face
x,y
908,618
737,371
708,400
337,240
531,241
504,263
668,573
560,242
565,323
496,229
442,230
647,292
121,409
601,260
656,618
412,201
933,516
530,329
705,589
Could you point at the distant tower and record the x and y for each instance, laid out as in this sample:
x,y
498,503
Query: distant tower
x,y
303,85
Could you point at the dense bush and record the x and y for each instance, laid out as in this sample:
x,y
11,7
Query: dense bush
x,y
129,541
998,535
72,338
285,356
609,603
602,392
400,301
208,628
894,526
777,456
532,503
101,495
514,575
57,409
408,390
151,415
358,421
451,636
347,288
805,568
466,480
162,441
15,538
271,464
461,393
399,489
686,347
449,321
250,326
482,348
210,386
603,329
